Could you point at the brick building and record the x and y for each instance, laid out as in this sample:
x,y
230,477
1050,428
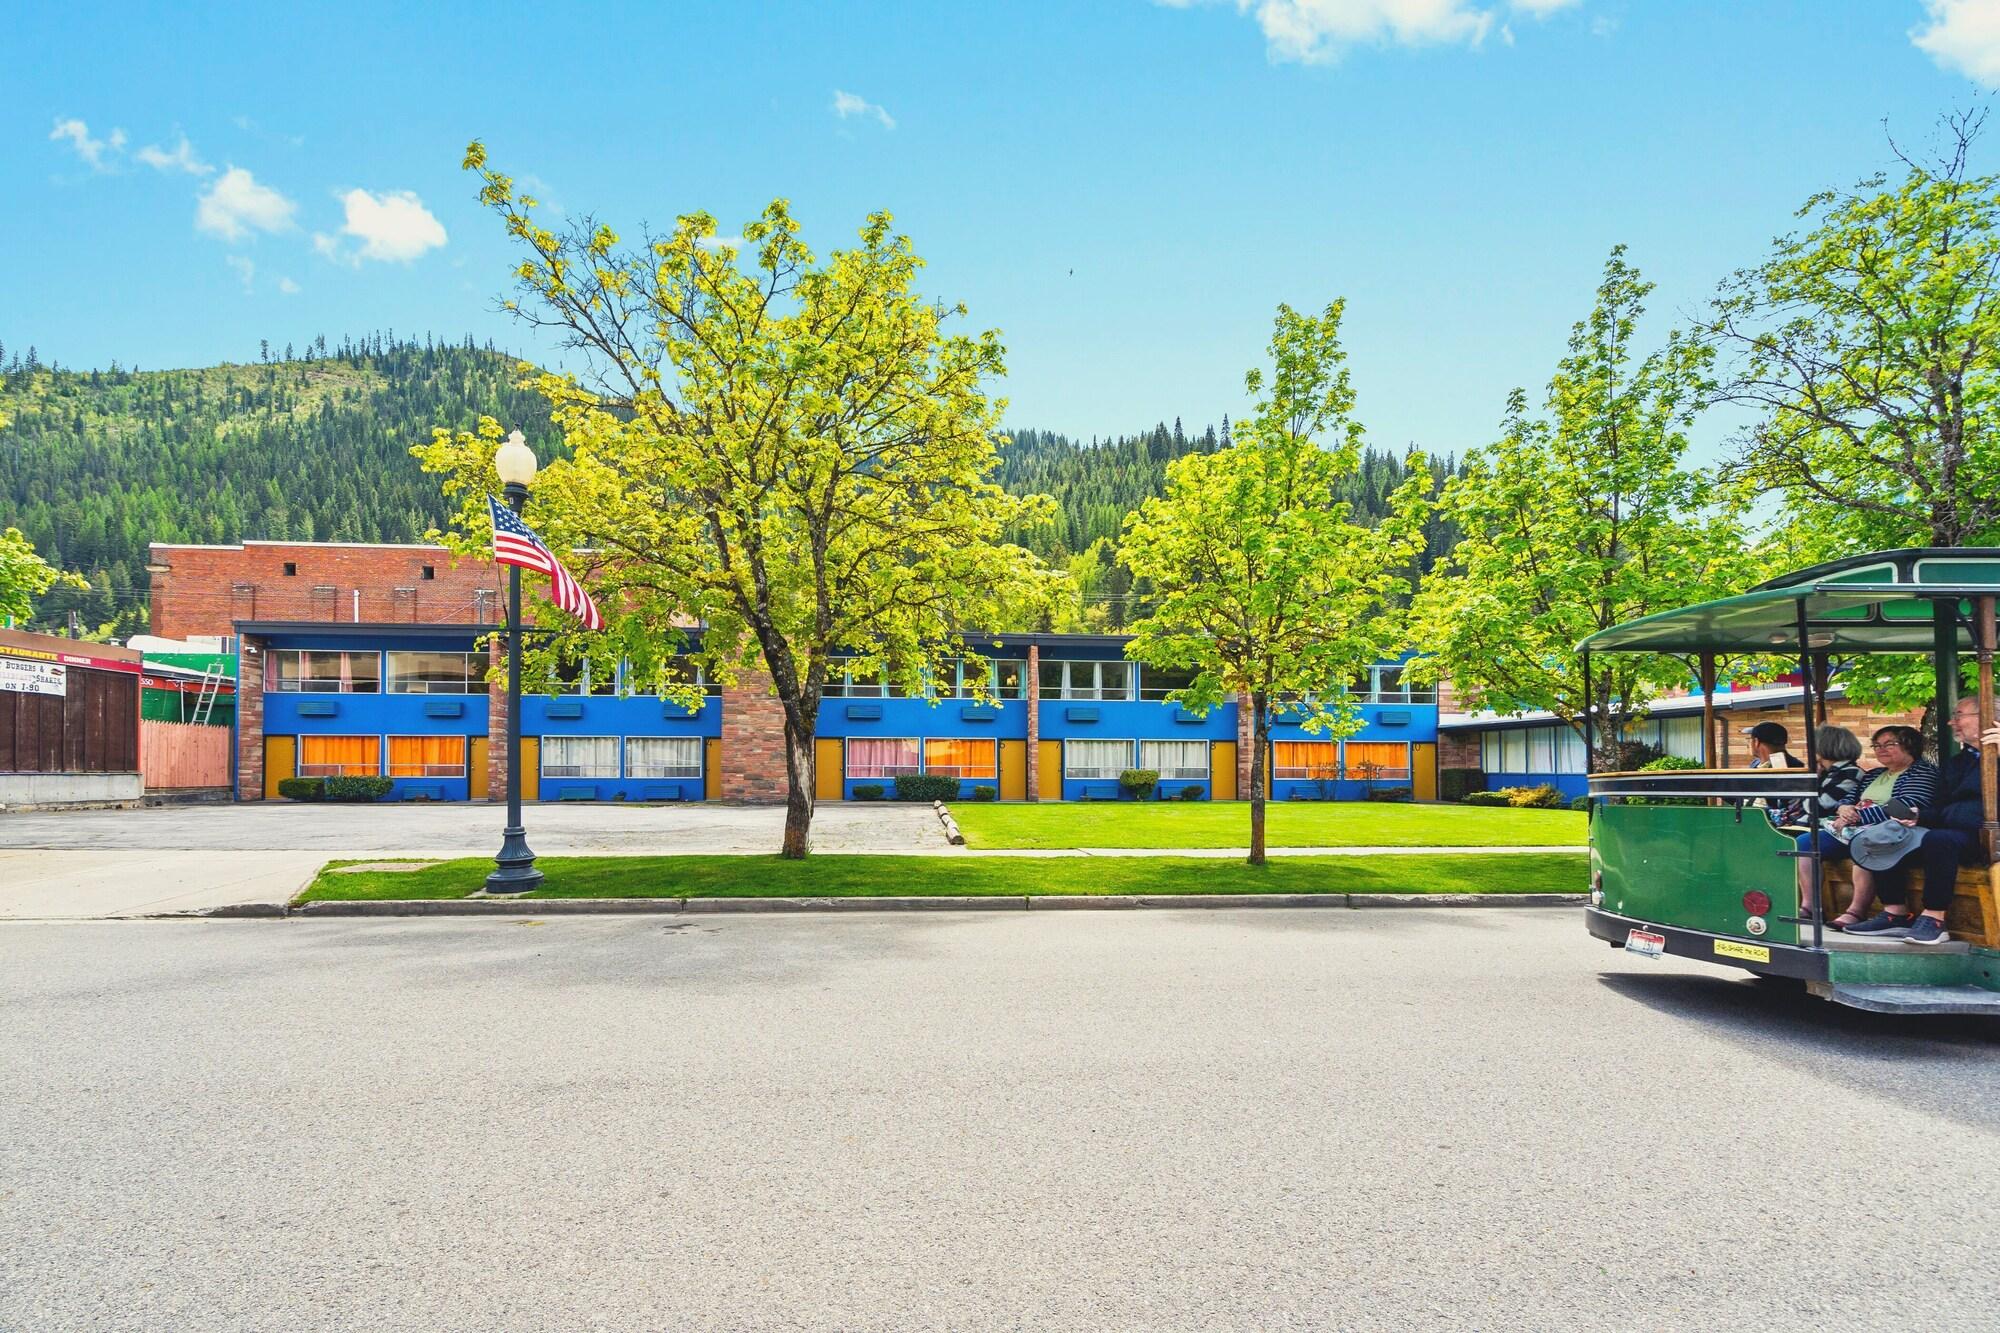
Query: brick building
x,y
374,660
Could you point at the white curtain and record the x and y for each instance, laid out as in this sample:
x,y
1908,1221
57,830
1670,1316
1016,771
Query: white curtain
x,y
579,756
1096,759
663,756
1175,759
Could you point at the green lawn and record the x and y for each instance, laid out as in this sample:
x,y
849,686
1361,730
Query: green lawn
x,y
833,876
1163,825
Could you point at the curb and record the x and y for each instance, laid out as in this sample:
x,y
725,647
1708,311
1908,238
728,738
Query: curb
x,y
1007,903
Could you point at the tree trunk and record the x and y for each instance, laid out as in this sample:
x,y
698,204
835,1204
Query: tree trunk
x,y
1260,742
800,779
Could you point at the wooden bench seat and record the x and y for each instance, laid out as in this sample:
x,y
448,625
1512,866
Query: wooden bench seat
x,y
1974,914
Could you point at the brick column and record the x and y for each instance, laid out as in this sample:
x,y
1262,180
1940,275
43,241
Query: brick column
x,y
753,741
1245,747
1034,693
496,721
250,718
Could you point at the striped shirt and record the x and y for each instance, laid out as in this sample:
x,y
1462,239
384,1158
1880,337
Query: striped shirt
x,y
1915,786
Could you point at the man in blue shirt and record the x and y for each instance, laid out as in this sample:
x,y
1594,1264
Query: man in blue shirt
x,y
1952,838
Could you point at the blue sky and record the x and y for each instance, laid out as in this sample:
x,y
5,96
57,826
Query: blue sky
x,y
1125,188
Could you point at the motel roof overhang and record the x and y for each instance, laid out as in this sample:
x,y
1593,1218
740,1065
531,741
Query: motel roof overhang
x,y
361,629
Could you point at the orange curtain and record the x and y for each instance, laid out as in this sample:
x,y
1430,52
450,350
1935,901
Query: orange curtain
x,y
1391,759
343,756
425,756
1301,759
970,758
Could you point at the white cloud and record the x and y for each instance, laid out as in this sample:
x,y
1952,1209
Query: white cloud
x,y
89,149
1963,35
393,227
245,269
1319,31
847,105
182,158
236,205
288,287
720,242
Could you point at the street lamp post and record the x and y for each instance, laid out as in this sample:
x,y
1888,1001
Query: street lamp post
x,y
514,870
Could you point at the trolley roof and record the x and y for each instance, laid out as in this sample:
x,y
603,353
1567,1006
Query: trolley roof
x,y
1881,602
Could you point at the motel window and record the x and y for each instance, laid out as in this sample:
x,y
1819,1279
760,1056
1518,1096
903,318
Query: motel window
x,y
1004,680
1513,751
427,756
1305,760
340,756
1373,760
1538,750
291,569
882,756
430,571
437,673
970,760
1175,759
1086,680
1681,737
290,670
663,756
1096,759
1541,750
1159,682
577,675
579,756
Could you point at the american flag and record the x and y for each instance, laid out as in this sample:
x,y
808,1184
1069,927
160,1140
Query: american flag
x,y
515,543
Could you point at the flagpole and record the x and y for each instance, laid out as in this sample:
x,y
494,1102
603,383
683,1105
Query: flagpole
x,y
514,867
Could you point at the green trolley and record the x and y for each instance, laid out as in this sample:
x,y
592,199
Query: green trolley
x,y
1707,876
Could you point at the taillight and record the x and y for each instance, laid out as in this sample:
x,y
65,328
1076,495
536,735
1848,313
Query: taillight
x,y
1756,902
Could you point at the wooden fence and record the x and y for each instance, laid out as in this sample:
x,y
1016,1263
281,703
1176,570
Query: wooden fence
x,y
181,754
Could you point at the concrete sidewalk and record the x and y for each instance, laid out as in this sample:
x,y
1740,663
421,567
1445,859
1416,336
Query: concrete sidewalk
x,y
62,885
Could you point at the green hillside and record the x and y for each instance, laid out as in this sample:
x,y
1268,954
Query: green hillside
x,y
312,444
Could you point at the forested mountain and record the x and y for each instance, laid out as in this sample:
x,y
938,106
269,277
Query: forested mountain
x,y
1096,484
311,443
308,443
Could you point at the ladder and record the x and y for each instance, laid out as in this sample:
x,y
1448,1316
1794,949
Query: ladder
x,y
211,686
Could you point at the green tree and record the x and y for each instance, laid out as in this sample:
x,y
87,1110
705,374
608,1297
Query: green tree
x,y
1262,584
795,453
1578,520
1870,347
24,576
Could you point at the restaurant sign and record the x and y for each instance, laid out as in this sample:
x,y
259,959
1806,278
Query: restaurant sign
x,y
21,677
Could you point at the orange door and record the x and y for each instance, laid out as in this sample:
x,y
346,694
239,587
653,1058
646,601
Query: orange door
x,y
281,761
711,764
475,773
1424,772
1048,778
829,770
1013,770
1222,770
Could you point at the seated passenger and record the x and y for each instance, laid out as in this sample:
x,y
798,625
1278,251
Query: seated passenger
x,y
1950,837
1767,746
1836,750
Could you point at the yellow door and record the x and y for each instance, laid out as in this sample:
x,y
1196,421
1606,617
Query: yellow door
x,y
1222,770
828,765
1013,770
531,768
281,761
712,768
1048,778
475,775
1424,772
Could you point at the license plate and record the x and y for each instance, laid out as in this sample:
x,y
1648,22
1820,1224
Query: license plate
x,y
1646,942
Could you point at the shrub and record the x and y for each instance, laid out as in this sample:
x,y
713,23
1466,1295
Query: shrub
x,y
1191,793
1580,803
869,791
302,789
1455,784
1543,797
1139,782
1392,794
1636,756
1668,763
1486,798
358,789
926,787
985,793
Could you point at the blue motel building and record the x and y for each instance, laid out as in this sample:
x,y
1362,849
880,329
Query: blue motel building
x,y
1064,716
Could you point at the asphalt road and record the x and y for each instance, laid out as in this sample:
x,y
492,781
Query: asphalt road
x,y
1240,1120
